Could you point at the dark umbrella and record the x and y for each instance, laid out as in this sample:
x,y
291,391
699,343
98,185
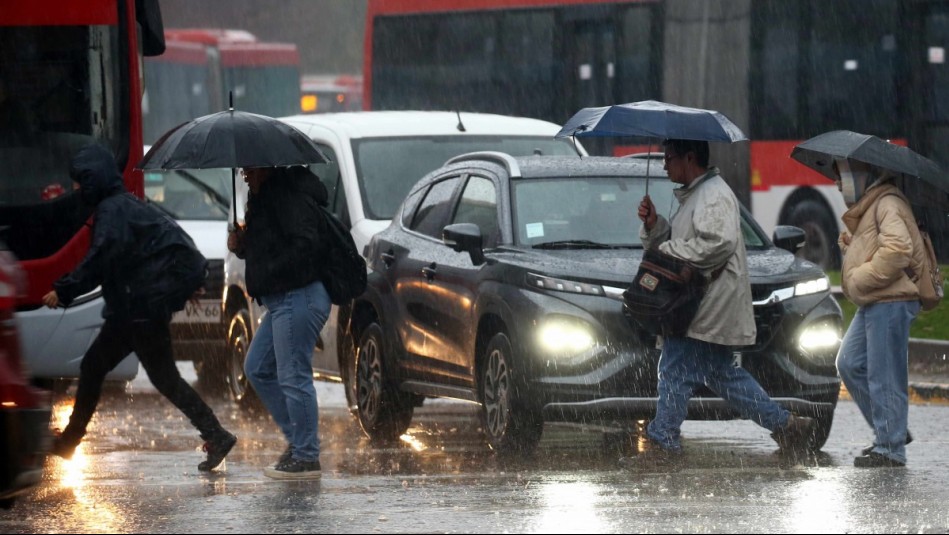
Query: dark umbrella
x,y
819,153
651,118
232,139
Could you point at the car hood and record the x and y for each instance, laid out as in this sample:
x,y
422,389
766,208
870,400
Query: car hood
x,y
618,267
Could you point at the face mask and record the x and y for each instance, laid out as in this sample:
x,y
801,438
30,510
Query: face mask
x,y
852,182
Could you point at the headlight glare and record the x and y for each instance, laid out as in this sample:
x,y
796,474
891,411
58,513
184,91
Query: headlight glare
x,y
819,338
564,337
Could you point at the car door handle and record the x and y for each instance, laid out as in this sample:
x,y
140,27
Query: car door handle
x,y
388,258
429,271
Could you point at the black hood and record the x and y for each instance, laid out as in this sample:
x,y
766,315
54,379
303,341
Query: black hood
x,y
93,167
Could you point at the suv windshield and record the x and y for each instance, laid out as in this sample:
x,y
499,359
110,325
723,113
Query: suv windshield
x,y
594,212
388,167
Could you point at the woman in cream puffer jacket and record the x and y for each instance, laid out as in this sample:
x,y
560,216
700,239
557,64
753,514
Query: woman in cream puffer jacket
x,y
881,242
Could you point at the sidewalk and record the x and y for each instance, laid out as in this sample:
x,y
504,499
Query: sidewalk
x,y
928,370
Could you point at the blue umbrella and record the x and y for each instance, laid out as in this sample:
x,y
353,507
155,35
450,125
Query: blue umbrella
x,y
651,118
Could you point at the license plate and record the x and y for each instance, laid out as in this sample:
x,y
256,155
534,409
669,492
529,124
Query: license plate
x,y
206,311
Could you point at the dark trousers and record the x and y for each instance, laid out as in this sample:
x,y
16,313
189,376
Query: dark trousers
x,y
151,341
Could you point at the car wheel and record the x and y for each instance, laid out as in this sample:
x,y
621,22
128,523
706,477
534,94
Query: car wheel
x,y
816,220
384,413
511,422
238,342
822,430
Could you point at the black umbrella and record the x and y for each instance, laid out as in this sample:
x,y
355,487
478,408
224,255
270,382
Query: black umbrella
x,y
651,118
232,139
819,153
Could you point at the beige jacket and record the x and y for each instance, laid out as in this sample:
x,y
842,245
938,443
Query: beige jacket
x,y
706,230
874,261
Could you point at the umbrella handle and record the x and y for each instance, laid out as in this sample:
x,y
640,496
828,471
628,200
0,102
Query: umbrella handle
x,y
234,193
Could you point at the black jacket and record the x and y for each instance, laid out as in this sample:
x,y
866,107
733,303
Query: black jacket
x,y
136,253
282,242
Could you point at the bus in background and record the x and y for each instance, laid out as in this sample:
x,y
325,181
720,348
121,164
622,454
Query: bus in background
x,y
783,71
69,76
201,68
325,93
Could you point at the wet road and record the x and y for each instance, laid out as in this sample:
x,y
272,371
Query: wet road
x,y
137,473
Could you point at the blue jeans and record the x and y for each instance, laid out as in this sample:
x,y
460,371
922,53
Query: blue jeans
x,y
279,364
685,365
873,363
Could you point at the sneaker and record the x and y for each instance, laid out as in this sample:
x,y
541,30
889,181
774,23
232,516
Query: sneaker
x,y
285,456
868,449
796,434
62,447
876,460
294,469
217,449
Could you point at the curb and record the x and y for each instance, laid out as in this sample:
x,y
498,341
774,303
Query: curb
x,y
929,370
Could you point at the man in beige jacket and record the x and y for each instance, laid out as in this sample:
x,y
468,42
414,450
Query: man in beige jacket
x,y
880,246
706,230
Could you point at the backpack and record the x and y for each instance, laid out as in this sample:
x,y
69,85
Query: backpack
x,y
171,268
344,270
930,281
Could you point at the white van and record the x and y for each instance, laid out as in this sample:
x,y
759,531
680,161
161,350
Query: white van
x,y
376,157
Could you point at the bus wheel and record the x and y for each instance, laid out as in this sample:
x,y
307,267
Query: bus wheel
x,y
817,222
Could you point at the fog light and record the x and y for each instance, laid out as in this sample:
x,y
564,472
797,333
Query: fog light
x,y
565,337
819,338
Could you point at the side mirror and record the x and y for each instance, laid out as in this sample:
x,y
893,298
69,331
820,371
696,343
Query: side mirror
x,y
465,237
789,238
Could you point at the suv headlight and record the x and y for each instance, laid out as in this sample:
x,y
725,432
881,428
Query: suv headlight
x,y
565,337
563,285
812,286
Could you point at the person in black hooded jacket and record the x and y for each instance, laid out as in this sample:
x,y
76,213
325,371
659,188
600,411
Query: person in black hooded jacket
x,y
135,256
284,253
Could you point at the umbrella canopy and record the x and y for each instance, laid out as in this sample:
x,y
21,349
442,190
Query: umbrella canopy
x,y
232,139
651,118
819,152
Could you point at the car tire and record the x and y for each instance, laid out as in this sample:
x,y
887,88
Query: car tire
x,y
239,336
825,421
383,412
817,221
511,422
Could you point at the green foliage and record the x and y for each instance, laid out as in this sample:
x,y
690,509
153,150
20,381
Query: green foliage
x,y
933,324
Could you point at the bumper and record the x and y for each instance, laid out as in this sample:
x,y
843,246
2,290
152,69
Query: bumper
x,y
645,408
26,440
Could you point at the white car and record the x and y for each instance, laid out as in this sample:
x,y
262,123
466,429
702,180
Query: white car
x,y
376,157
199,200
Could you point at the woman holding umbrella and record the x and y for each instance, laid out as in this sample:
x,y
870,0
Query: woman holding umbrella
x,y
282,246
880,246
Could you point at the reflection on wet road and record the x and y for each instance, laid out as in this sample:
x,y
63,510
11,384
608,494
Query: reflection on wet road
x,y
137,472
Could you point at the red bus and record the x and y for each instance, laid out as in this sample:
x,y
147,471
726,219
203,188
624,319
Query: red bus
x,y
201,68
783,71
69,76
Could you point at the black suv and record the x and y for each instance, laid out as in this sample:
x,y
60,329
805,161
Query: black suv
x,y
500,282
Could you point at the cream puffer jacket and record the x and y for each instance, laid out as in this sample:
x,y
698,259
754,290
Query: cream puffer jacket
x,y
874,261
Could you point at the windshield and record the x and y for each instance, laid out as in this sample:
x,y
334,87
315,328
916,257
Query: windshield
x,y
57,93
388,167
594,212
194,194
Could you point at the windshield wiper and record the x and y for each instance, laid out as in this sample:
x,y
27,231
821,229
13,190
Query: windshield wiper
x,y
215,194
580,244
